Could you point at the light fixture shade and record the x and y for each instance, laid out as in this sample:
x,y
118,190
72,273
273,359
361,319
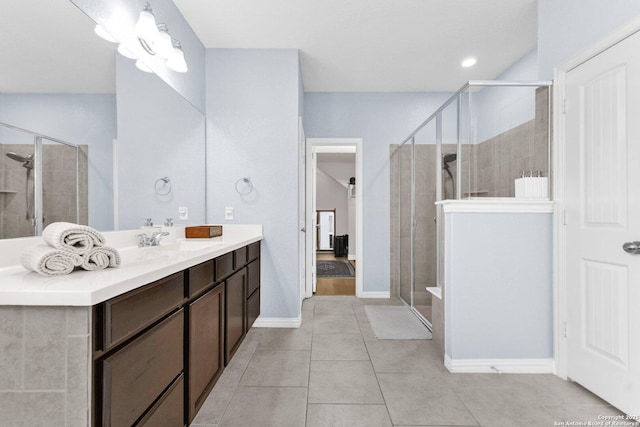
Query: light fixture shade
x,y
143,67
126,52
103,34
146,27
163,45
176,61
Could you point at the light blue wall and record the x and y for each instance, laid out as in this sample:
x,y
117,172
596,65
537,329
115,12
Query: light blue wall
x,y
380,119
569,26
498,292
118,17
252,130
79,119
159,134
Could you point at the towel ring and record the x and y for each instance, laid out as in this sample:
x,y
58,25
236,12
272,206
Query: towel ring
x,y
248,183
167,183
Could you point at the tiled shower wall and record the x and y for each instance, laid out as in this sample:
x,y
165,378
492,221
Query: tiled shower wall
x,y
44,363
59,188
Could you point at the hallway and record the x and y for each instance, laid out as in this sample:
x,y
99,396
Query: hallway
x,y
334,285
334,372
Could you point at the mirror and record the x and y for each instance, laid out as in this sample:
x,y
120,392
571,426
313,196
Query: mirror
x,y
326,229
59,79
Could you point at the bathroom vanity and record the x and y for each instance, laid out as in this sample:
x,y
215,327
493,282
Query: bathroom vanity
x,y
127,346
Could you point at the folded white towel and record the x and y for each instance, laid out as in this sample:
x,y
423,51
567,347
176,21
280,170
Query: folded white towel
x,y
100,258
76,238
50,261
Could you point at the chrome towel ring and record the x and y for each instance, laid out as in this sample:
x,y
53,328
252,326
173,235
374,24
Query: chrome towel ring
x,y
165,188
248,186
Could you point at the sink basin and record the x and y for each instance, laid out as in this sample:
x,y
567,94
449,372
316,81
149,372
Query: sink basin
x,y
167,250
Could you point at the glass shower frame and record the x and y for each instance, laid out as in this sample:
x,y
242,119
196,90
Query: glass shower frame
x,y
453,123
38,159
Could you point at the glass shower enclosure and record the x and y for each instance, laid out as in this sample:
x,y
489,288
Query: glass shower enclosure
x,y
40,182
476,145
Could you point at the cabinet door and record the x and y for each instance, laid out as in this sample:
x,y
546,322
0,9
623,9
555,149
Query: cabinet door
x,y
137,374
206,315
234,312
253,308
253,277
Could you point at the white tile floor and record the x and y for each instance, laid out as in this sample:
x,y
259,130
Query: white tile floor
x,y
334,372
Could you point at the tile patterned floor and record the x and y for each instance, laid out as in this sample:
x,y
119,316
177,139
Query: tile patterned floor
x,y
334,372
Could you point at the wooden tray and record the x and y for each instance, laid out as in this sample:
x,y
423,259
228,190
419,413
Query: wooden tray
x,y
203,231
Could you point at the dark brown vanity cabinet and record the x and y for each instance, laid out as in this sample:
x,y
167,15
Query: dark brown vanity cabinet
x,y
253,284
158,350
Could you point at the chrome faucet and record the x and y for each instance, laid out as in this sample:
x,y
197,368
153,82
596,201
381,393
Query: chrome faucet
x,y
154,240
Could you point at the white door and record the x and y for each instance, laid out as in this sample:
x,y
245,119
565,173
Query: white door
x,y
311,220
603,212
302,211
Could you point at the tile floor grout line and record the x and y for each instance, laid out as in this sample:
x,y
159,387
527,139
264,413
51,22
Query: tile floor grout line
x,y
306,408
235,389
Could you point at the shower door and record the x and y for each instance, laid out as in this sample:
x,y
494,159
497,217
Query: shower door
x,y
405,249
42,180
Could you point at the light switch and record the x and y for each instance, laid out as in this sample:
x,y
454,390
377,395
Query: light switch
x,y
184,212
228,212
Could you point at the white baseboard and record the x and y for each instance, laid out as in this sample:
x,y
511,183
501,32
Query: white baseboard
x,y
278,322
505,366
375,294
351,257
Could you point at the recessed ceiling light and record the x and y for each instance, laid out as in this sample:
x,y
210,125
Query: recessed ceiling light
x,y
469,62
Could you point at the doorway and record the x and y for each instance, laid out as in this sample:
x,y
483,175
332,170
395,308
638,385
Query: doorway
x,y
334,212
599,212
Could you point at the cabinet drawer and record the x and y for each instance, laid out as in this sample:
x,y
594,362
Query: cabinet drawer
x,y
240,258
253,277
131,312
169,410
254,251
136,375
224,266
253,308
200,276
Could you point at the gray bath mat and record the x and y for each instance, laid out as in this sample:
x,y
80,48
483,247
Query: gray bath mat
x,y
396,323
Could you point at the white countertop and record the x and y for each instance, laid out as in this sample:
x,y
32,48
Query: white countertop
x,y
139,267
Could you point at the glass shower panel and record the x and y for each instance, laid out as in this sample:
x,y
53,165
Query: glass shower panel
x,y
449,150
425,236
63,196
404,169
16,184
504,133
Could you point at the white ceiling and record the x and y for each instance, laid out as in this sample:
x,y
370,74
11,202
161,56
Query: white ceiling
x,y
375,45
345,45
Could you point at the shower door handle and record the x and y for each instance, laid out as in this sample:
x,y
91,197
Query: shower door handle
x,y
632,248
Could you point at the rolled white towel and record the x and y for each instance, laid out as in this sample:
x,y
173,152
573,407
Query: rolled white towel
x,y
50,261
76,238
100,258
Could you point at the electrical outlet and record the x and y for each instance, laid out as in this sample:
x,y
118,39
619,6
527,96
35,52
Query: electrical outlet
x,y
184,212
228,212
